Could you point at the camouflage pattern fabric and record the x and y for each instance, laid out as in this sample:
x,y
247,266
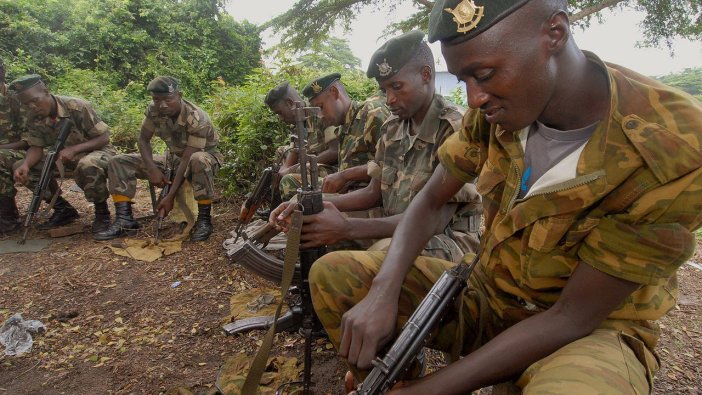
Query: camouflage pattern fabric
x,y
607,361
629,212
291,182
12,118
360,132
405,158
124,170
8,157
43,132
193,128
89,172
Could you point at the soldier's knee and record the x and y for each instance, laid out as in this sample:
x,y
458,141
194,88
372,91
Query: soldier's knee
x,y
199,162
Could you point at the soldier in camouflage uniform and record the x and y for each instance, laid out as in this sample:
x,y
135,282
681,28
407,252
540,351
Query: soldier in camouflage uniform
x,y
575,267
192,141
405,157
13,145
281,100
359,131
86,152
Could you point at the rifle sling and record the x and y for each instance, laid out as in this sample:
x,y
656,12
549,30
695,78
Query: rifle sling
x,y
292,250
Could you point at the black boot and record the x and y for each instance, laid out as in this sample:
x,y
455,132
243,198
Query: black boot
x,y
203,226
124,223
9,216
102,218
63,214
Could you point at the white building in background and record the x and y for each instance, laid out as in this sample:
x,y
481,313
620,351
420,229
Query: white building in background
x,y
446,83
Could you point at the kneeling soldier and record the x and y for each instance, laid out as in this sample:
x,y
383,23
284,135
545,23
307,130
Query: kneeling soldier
x,y
86,152
191,138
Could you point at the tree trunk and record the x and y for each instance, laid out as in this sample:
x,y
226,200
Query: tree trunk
x,y
585,12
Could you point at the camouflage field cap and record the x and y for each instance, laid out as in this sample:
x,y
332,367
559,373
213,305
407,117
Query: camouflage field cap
x,y
393,55
163,85
456,21
276,94
314,88
25,82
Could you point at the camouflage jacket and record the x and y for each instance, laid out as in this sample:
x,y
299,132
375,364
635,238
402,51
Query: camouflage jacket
x,y
627,208
406,155
43,132
12,119
318,138
360,132
192,128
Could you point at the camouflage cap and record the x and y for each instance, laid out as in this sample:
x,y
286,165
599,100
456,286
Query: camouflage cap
x,y
163,84
25,82
393,55
314,88
276,94
456,21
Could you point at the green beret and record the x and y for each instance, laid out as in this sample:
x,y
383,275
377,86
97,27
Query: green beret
x,y
163,84
276,94
455,21
393,55
25,82
314,88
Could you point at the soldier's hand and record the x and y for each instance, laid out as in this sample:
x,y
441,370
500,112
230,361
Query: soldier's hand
x,y
21,175
280,217
165,206
66,155
157,178
367,327
333,183
326,228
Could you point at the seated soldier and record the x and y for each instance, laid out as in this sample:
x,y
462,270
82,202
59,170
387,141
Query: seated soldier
x,y
13,144
404,159
192,141
359,131
591,179
86,152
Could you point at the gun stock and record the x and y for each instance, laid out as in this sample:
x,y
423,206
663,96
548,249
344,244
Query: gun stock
x,y
46,174
389,369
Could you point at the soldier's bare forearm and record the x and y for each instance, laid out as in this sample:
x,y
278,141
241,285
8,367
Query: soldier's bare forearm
x,y
180,171
360,199
145,149
34,155
356,173
329,156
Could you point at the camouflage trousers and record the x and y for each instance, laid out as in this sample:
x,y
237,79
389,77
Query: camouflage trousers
x,y
607,361
89,172
289,183
124,170
8,158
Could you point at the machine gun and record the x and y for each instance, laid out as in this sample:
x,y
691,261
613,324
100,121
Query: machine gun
x,y
388,370
301,315
266,185
46,175
164,192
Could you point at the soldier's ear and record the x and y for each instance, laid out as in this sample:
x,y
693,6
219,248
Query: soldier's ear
x,y
334,91
426,74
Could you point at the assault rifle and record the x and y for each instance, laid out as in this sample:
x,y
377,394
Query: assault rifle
x,y
388,370
164,192
267,184
46,175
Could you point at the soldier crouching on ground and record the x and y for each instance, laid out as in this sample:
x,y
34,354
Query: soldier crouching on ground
x,y
13,145
86,152
192,141
405,157
591,179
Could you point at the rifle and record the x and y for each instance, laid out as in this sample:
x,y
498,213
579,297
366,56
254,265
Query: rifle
x,y
46,174
266,184
388,370
301,312
164,192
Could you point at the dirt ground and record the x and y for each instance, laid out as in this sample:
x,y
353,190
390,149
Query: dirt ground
x,y
119,326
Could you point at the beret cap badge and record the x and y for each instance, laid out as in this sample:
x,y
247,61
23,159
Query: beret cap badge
x,y
316,88
467,15
384,69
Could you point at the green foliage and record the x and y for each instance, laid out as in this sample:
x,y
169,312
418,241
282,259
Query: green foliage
x,y
132,40
331,54
249,132
458,97
689,80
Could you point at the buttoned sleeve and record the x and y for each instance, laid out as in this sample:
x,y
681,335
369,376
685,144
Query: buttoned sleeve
x,y
199,129
36,135
461,153
91,124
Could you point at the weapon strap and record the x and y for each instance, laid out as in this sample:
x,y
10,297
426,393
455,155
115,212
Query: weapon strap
x,y
292,250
